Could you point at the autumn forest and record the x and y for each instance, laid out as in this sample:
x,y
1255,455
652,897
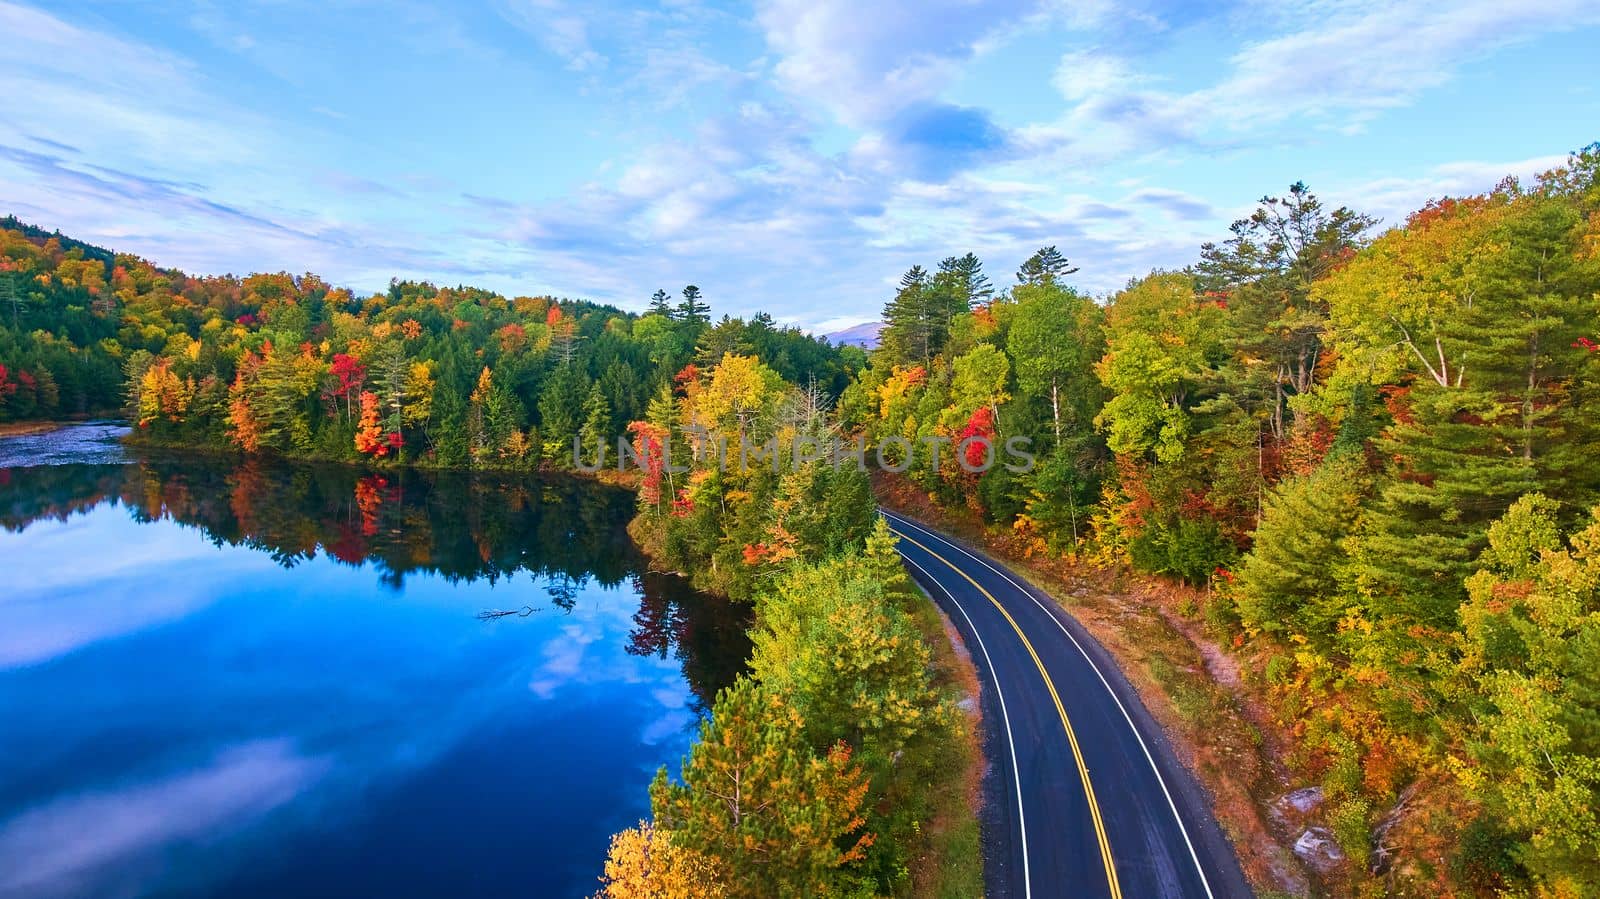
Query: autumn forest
x,y
1364,451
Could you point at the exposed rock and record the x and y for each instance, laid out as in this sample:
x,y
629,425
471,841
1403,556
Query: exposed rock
x,y
1304,800
1293,808
1382,857
1319,849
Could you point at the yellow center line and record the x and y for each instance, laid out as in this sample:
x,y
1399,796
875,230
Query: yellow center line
x,y
1066,723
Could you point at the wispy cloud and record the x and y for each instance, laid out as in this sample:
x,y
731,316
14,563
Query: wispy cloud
x,y
561,28
794,160
87,844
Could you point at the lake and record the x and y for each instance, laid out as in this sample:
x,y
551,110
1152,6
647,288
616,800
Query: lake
x,y
255,679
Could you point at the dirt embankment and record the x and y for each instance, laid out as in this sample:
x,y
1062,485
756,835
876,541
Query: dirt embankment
x,y
1217,723
20,428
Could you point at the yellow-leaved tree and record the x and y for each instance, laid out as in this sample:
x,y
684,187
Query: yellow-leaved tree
x,y
645,864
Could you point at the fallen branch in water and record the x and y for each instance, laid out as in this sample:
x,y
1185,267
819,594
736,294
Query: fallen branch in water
x,y
491,614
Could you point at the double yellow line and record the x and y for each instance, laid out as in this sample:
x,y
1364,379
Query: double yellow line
x,y
1066,723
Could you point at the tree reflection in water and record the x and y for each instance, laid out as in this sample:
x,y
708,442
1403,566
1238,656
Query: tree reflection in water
x,y
463,527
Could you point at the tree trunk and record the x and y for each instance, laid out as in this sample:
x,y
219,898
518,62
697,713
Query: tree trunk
x,y
1055,409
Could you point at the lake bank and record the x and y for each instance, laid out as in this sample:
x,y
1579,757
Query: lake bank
x,y
23,428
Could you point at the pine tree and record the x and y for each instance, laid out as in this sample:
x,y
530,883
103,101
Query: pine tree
x,y
393,374
692,311
661,303
561,407
1497,417
756,800
1046,266
907,334
1264,274
1289,583
883,559
596,435
965,274
11,296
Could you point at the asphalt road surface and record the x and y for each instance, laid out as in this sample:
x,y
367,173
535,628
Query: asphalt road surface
x,y
1084,796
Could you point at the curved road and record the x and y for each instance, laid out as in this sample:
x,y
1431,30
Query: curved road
x,y
1084,796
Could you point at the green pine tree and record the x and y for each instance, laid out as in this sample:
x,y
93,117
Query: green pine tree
x,y
596,434
661,303
1046,266
692,311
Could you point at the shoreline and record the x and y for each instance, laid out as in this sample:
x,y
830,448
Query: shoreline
x,y
606,476
29,428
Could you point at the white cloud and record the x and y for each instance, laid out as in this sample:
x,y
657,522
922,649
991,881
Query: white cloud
x,y
1382,57
1394,198
58,605
1335,68
864,63
56,76
1176,203
822,169
84,845
1084,74
562,29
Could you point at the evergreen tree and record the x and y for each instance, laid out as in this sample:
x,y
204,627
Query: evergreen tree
x,y
1264,275
596,435
730,335
692,311
447,431
1290,583
780,820
661,303
11,296
561,410
625,393
1498,414
970,286
909,320
1046,266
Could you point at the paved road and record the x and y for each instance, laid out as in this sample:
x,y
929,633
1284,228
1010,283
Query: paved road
x,y
1085,798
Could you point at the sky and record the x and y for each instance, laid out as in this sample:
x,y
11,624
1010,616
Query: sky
x,y
792,156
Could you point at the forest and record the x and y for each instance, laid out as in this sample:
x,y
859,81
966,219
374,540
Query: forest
x,y
1368,451
291,366
1371,452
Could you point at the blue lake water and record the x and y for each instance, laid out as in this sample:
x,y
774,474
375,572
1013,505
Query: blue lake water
x,y
233,679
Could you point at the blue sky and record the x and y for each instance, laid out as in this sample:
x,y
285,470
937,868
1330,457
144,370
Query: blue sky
x,y
788,155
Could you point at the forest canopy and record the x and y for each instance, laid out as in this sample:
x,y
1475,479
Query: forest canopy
x,y
1371,452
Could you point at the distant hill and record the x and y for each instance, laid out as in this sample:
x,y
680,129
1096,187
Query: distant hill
x,y
36,233
864,335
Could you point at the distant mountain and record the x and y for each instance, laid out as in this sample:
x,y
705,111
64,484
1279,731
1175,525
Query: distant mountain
x,y
864,335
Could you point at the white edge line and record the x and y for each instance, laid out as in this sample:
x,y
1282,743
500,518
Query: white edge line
x,y
1195,856
1016,775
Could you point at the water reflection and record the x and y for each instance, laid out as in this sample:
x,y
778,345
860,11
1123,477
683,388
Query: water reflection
x,y
256,679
